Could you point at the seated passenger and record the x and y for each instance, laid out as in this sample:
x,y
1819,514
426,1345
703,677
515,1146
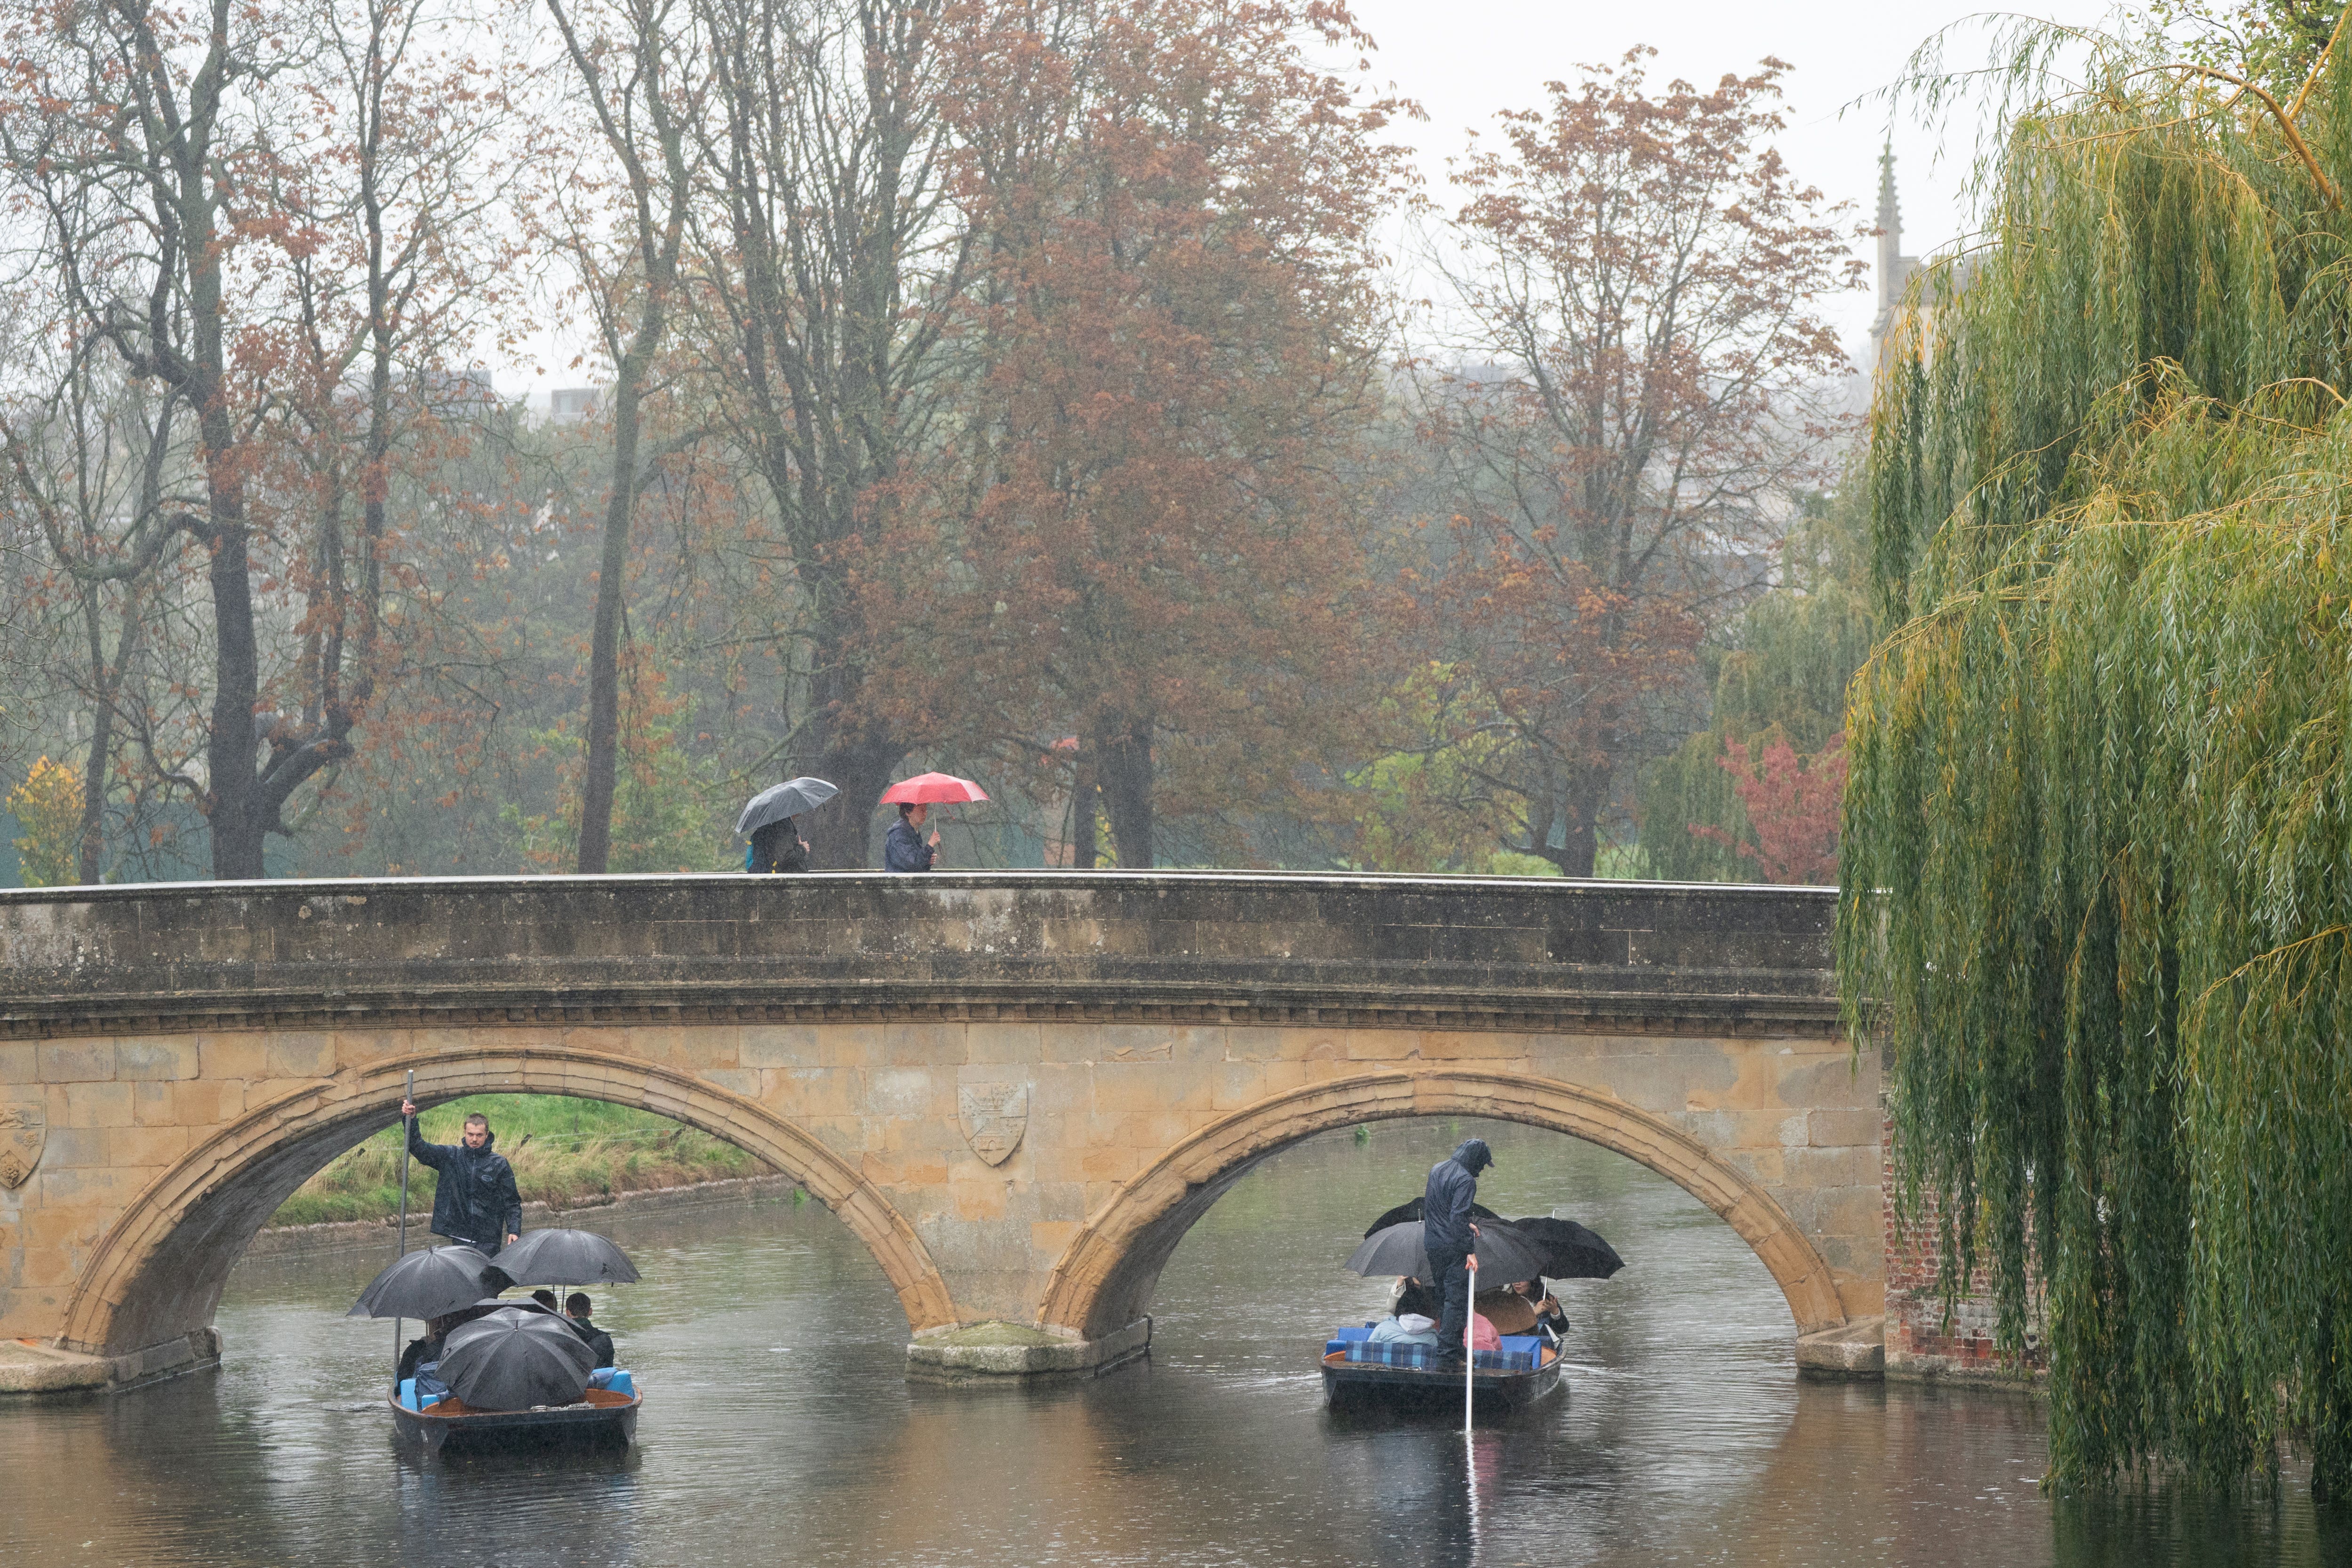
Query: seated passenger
x,y
424,1352
544,1297
576,1306
1409,1328
1412,1296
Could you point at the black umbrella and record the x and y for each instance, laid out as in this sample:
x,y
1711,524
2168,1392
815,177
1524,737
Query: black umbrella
x,y
789,798
513,1359
429,1283
566,1257
1571,1251
1503,1253
1405,1211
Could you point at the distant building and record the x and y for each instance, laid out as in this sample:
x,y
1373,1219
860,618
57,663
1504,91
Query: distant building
x,y
571,406
1895,268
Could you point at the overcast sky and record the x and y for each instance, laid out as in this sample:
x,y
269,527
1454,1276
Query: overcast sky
x,y
1463,60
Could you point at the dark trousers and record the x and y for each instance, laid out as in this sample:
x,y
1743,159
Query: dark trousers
x,y
1454,1284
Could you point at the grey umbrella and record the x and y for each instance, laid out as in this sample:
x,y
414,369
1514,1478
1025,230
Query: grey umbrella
x,y
566,1257
1503,1253
429,1283
789,798
512,1359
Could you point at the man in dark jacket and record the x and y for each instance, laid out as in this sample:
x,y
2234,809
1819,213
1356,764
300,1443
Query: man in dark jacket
x,y
576,1307
903,848
475,1200
1449,1235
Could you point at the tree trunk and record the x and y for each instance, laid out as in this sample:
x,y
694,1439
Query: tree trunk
x,y
232,782
1125,760
604,638
1583,800
108,679
1082,853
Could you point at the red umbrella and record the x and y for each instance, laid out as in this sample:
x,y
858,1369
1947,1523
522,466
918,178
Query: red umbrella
x,y
928,788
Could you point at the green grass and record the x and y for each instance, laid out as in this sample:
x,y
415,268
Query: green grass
x,y
564,1151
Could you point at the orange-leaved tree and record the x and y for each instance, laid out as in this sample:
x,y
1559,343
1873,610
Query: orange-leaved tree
x,y
1146,541
1632,385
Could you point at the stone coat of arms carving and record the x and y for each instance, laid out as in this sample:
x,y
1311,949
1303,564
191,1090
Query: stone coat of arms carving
x,y
994,1115
23,1130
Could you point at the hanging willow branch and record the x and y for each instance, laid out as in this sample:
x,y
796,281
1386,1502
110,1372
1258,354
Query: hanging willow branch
x,y
2099,827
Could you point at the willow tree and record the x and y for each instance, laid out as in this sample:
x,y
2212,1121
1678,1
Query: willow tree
x,y
2098,837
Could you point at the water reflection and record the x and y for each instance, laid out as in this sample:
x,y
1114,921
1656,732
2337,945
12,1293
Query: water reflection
x,y
779,1426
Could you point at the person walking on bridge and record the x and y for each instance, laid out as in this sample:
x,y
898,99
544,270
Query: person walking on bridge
x,y
1450,1235
474,1197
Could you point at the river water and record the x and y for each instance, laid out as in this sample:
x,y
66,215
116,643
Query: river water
x,y
780,1428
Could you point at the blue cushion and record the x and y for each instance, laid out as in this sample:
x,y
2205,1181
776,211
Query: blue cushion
x,y
408,1392
1345,1335
1396,1352
1529,1342
623,1382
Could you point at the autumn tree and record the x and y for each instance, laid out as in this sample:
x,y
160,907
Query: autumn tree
x,y
835,257
1630,389
242,207
1144,542
1779,673
638,81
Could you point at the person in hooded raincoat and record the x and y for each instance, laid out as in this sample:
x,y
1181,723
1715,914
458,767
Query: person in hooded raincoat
x,y
474,1200
1450,1235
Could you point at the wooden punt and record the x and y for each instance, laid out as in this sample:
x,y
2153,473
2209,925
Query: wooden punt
x,y
599,1417
1438,1389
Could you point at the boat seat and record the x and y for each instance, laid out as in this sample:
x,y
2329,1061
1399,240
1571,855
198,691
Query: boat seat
x,y
408,1395
1396,1352
614,1378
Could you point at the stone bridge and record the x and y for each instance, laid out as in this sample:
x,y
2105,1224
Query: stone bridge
x,y
1018,1089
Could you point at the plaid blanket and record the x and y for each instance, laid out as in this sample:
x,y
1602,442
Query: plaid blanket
x,y
1426,1357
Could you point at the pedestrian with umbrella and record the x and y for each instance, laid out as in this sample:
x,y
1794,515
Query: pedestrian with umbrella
x,y
770,818
903,848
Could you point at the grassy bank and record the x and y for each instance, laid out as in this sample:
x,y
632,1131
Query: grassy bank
x,y
564,1151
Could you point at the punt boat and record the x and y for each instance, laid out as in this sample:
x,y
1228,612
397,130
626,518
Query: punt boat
x,y
1357,1373
600,1416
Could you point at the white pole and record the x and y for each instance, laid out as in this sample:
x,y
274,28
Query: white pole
x,y
1469,1364
402,1245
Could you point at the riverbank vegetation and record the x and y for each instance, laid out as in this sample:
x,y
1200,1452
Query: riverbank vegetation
x,y
566,1153
2098,895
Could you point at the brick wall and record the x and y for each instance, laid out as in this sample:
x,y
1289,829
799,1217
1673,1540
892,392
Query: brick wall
x,y
1921,1342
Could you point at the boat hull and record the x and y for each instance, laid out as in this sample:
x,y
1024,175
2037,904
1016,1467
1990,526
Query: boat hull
x,y
1360,1383
601,1418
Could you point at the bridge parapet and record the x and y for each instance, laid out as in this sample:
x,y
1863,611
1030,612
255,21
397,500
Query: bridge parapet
x,y
1460,952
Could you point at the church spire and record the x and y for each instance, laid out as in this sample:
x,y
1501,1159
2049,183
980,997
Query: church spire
x,y
1895,268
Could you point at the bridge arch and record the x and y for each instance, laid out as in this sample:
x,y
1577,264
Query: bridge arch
x,y
1105,1276
158,1273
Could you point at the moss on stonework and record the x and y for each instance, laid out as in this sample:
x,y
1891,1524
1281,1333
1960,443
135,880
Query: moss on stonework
x,y
995,1333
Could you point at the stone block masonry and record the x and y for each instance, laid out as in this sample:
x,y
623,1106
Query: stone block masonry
x,y
1018,1089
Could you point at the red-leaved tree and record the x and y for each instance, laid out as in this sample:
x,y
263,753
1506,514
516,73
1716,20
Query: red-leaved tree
x,y
1143,540
1634,381
1792,806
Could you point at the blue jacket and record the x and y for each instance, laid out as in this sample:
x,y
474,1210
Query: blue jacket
x,y
903,849
1445,1203
475,1199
